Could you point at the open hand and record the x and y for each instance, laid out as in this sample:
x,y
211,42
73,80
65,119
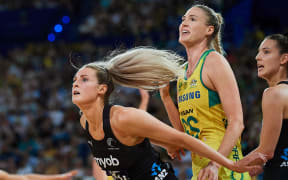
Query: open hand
x,y
175,152
252,162
210,172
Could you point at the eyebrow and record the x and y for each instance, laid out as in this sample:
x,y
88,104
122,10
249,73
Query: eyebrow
x,y
83,75
191,15
265,48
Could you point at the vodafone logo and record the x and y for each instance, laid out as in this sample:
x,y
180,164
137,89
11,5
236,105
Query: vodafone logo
x,y
109,161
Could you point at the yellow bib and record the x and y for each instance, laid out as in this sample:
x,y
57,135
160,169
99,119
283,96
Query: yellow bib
x,y
203,117
200,108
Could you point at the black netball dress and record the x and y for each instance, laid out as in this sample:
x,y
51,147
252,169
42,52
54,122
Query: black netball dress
x,y
139,162
277,167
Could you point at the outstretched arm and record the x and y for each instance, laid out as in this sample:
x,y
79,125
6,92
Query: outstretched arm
x,y
138,123
66,176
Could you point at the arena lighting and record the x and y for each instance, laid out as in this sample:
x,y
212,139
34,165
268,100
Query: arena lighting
x,y
58,28
51,37
65,19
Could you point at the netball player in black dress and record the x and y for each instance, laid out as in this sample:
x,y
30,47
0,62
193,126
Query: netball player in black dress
x,y
118,136
272,63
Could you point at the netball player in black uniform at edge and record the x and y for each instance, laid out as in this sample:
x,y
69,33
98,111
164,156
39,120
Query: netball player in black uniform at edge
x,y
118,136
272,60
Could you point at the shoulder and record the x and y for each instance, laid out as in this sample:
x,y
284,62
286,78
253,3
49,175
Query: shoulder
x,y
126,119
272,96
216,67
275,94
215,59
124,115
271,92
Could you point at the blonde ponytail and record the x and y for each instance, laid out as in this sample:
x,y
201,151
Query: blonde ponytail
x,y
145,68
141,67
216,42
216,20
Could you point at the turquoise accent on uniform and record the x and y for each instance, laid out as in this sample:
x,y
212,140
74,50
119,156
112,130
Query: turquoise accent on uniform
x,y
232,176
204,54
213,95
213,98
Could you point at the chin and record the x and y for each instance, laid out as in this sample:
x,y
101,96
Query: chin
x,y
76,101
262,76
183,42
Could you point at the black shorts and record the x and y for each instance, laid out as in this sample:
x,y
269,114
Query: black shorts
x,y
275,173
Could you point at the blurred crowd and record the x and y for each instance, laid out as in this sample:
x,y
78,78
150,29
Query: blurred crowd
x,y
39,125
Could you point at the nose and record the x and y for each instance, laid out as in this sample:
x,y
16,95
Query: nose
x,y
258,56
183,24
75,84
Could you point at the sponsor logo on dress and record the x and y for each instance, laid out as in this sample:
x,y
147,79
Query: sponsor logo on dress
x,y
158,172
193,83
112,144
188,96
108,161
285,158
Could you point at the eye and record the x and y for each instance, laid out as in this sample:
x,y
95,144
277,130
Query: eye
x,y
266,52
192,19
84,79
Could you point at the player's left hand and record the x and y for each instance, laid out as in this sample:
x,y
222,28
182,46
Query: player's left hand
x,y
175,152
210,172
252,163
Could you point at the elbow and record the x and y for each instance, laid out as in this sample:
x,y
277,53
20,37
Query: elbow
x,y
241,126
237,126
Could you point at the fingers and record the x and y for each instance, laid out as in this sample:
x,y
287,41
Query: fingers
x,y
263,157
255,170
207,173
257,159
202,175
178,155
172,155
182,152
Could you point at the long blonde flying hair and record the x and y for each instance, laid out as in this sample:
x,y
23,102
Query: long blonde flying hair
x,y
142,67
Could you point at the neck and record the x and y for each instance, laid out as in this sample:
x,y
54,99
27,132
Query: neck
x,y
195,51
193,54
274,80
93,113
